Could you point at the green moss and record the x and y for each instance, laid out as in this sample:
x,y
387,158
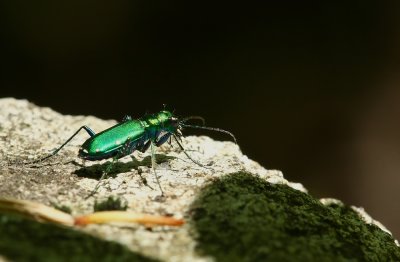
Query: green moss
x,y
111,203
243,218
25,240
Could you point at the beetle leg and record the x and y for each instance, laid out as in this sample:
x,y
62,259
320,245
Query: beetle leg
x,y
103,176
184,151
86,128
145,146
129,147
153,165
163,139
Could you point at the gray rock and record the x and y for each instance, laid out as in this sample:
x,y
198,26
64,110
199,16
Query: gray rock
x,y
29,132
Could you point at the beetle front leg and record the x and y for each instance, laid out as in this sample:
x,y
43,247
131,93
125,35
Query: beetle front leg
x,y
187,155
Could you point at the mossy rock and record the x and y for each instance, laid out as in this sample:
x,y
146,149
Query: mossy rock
x,y
241,217
22,239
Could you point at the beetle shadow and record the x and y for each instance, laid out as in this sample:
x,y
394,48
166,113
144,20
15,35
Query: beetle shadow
x,y
95,171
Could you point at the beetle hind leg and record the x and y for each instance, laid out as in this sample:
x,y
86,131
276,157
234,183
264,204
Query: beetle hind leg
x,y
86,128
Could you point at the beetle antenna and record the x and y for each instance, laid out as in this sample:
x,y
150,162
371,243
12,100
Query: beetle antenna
x,y
194,117
211,128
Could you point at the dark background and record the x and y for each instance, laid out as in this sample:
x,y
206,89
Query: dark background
x,y
307,88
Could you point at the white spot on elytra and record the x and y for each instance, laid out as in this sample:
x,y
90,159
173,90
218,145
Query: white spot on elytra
x,y
117,142
97,150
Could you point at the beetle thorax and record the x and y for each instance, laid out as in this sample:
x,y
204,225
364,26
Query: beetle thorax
x,y
162,121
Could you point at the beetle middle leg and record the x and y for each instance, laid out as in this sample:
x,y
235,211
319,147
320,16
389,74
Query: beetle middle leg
x,y
145,146
164,138
152,144
127,149
153,165
103,176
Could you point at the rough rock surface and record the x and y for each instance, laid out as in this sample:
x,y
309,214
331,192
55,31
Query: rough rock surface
x,y
28,132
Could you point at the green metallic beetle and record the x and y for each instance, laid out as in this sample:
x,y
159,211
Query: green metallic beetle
x,y
130,134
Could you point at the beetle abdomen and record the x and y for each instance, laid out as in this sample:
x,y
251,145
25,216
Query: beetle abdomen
x,y
108,142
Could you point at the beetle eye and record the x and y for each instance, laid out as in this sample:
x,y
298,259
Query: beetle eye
x,y
173,121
